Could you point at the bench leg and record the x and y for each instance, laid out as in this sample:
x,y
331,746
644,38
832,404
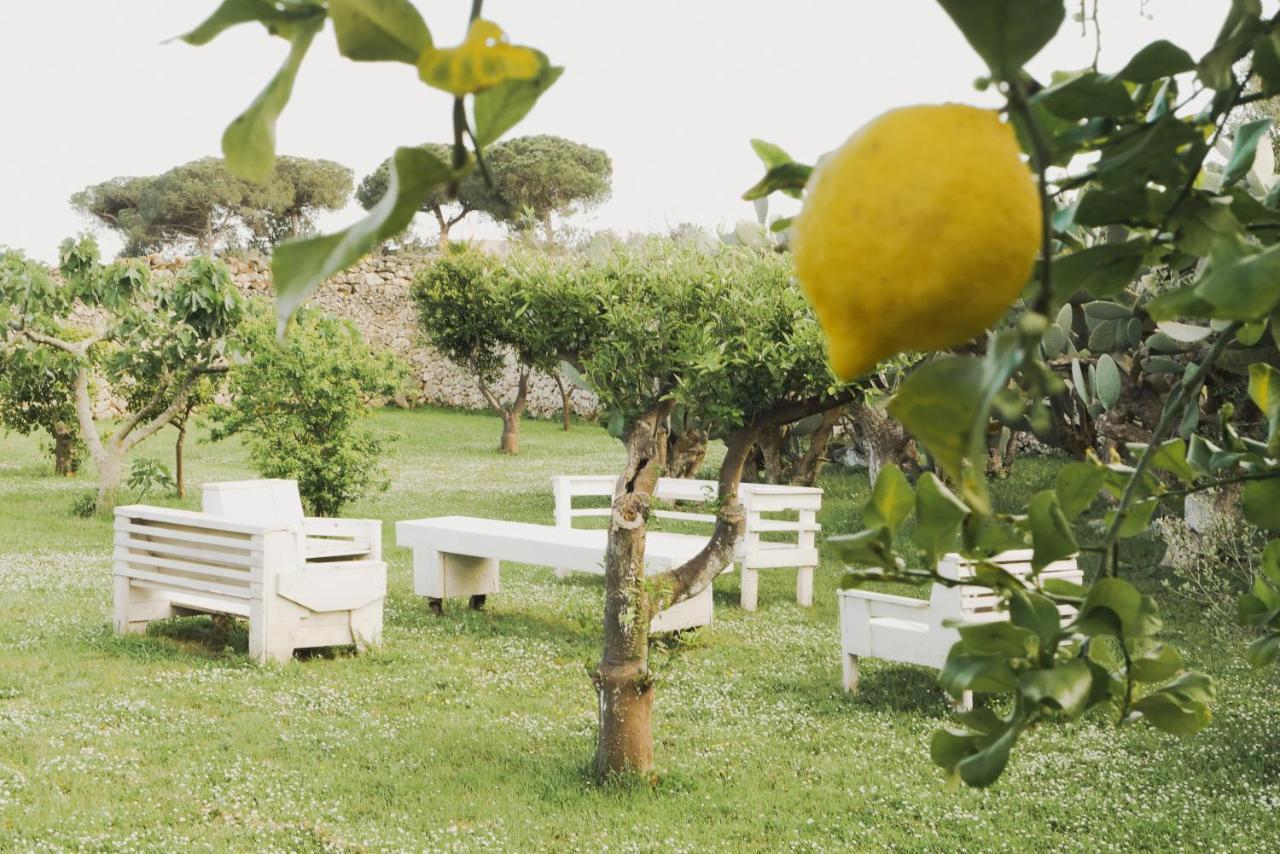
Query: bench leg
x,y
750,589
850,673
435,606
804,586
366,626
134,607
477,602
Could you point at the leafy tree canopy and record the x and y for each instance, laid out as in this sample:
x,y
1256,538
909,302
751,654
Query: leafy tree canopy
x,y
538,176
203,205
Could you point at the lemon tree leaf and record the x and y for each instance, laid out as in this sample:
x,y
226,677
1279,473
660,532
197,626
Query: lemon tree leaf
x,y
1051,535
1103,270
891,500
1006,33
484,59
937,403
234,12
500,108
249,143
1159,59
1264,391
1245,149
1262,503
939,514
379,30
1241,282
298,266
1077,485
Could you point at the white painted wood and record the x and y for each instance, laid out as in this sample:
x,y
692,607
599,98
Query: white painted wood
x,y
457,556
277,502
799,503
920,631
176,561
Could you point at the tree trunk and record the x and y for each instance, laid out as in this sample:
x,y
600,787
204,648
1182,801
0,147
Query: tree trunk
x,y
809,466
510,443
623,684
110,472
770,444
686,453
65,453
179,469
442,242
546,227
566,400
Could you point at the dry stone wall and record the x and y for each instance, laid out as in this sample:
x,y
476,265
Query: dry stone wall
x,y
374,295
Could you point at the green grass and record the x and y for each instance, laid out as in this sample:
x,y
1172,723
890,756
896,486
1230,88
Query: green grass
x,y
474,731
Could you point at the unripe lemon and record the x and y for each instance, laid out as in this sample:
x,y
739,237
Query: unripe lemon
x,y
917,234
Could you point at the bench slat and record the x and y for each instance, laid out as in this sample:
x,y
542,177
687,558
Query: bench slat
x,y
193,535
166,581
222,555
247,575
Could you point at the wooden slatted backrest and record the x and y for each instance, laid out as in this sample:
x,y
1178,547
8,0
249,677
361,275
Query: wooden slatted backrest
x,y
197,552
967,602
262,502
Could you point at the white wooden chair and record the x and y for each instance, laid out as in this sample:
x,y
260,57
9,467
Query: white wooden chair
x,y
781,523
300,582
914,631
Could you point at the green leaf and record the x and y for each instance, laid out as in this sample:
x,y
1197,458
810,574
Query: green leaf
x,y
1102,271
1181,707
299,266
1158,59
1065,688
379,30
1263,650
891,500
939,514
971,672
1242,282
1109,385
501,108
1271,562
1171,456
1051,534
1113,606
870,548
1077,485
1246,148
985,767
1136,519
1264,391
1262,503
999,637
233,12
1006,33
1037,613
249,143
937,403
1156,664
1088,95
770,155
788,178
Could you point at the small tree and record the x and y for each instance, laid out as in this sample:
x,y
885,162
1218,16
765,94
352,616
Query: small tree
x,y
727,335
473,194
303,406
144,385
535,177
177,326
475,309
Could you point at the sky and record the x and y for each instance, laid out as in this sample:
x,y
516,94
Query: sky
x,y
673,90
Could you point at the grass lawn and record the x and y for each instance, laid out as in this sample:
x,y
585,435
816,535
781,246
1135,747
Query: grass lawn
x,y
474,731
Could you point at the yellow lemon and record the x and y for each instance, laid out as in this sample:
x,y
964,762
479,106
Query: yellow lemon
x,y
917,234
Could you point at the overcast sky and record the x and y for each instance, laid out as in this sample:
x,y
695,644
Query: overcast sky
x,y
671,89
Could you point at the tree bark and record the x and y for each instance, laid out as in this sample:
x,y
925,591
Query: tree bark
x,y
809,466
566,400
546,226
510,443
623,684
65,462
179,459
686,453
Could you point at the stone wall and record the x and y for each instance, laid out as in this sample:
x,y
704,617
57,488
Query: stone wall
x,y
374,295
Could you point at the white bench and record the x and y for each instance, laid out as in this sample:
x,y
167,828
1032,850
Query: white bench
x,y
786,515
274,501
175,562
915,631
457,556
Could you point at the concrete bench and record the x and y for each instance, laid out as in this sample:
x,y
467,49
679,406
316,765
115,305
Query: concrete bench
x,y
916,631
177,562
459,556
781,523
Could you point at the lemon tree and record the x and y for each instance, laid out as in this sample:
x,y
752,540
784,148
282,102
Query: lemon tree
x,y
1136,177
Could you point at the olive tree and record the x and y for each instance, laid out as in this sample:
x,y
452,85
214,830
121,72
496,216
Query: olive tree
x,y
303,406
179,326
723,333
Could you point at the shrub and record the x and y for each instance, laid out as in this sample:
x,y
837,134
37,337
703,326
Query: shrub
x,y
302,405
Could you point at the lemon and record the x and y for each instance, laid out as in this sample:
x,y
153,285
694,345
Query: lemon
x,y
917,234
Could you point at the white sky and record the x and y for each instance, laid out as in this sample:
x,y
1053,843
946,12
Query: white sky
x,y
671,89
